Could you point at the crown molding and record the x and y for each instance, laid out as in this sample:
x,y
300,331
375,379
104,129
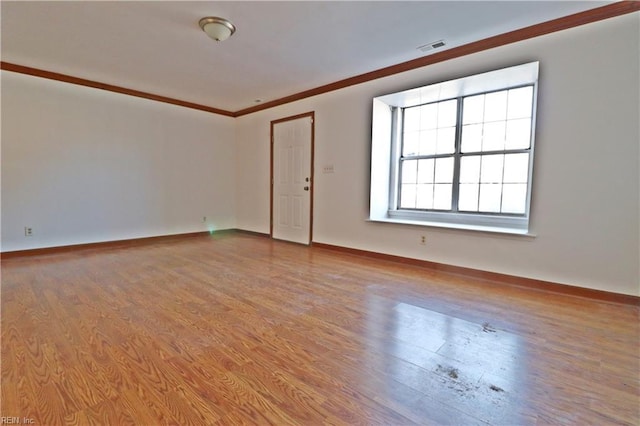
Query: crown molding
x,y
555,25
578,19
7,66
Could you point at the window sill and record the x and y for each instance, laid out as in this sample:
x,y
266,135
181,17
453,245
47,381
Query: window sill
x,y
465,227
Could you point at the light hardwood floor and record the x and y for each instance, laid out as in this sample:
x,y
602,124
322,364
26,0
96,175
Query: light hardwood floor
x,y
240,329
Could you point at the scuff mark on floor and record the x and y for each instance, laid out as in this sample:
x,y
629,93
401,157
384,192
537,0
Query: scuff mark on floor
x,y
496,388
449,371
488,328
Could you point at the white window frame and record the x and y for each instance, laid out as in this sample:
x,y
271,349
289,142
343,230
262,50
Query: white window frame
x,y
385,151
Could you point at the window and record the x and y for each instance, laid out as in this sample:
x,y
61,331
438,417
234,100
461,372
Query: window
x,y
458,153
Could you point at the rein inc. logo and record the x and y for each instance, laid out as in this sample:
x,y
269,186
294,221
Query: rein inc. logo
x,y
6,420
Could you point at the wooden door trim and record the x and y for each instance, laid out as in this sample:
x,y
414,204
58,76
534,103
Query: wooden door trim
x,y
310,114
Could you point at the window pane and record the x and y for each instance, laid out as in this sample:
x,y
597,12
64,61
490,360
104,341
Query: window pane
x,y
447,113
409,171
493,136
518,134
428,142
442,197
495,106
410,143
491,168
444,170
520,102
470,169
490,197
468,197
425,197
514,198
471,138
446,140
426,169
491,122
411,119
516,168
408,196
473,109
429,116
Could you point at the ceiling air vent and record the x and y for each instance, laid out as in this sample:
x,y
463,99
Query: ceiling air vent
x,y
431,46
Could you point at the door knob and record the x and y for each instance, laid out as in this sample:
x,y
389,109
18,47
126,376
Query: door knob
x,y
306,188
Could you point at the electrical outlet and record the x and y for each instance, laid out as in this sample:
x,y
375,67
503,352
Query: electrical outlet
x,y
423,240
28,232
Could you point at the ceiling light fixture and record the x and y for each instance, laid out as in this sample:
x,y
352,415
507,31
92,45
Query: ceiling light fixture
x,y
218,29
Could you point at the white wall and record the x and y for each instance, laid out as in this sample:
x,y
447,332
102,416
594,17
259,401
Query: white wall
x,y
82,165
585,208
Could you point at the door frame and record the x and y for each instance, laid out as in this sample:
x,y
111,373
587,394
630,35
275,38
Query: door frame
x,y
310,114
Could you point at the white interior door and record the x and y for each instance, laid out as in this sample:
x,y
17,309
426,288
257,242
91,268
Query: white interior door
x,y
291,211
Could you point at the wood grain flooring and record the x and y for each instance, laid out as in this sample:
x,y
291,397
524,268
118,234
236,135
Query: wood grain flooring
x,y
239,329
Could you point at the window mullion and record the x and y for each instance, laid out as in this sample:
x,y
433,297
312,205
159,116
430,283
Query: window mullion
x,y
456,159
427,156
506,151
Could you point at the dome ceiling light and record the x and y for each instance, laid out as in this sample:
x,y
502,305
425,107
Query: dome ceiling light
x,y
218,29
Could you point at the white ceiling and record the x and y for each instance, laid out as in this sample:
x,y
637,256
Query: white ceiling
x,y
279,49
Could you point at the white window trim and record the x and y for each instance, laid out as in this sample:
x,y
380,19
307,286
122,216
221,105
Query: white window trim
x,y
383,168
